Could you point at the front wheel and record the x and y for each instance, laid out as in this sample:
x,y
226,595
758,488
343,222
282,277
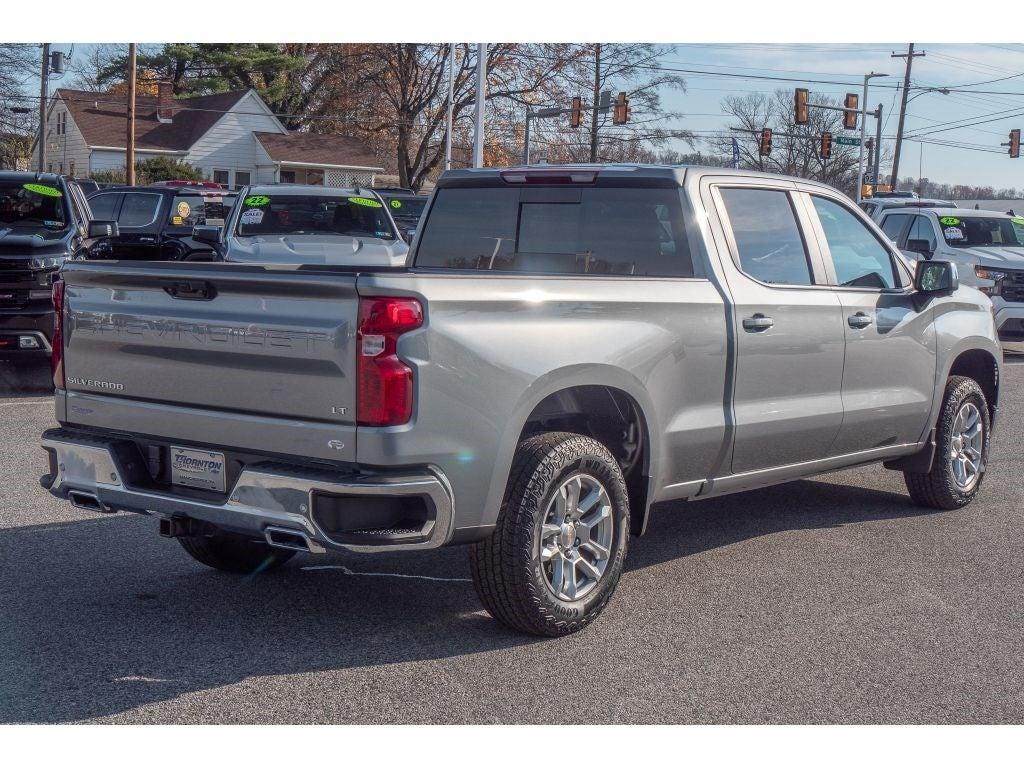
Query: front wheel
x,y
961,449
556,556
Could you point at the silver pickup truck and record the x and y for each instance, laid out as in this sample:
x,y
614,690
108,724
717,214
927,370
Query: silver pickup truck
x,y
567,348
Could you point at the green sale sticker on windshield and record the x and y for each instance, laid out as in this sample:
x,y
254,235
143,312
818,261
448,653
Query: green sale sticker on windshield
x,y
43,189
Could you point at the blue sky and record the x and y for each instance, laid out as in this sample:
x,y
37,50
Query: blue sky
x,y
943,65
949,65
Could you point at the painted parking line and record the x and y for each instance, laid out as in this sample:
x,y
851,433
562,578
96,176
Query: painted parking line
x,y
349,572
19,403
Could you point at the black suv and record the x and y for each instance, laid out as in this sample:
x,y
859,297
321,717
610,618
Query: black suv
x,y
405,206
44,220
155,223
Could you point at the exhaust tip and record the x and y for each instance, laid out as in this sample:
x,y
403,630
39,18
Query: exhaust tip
x,y
289,538
86,501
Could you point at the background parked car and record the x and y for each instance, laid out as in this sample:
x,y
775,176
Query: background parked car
x,y
876,206
405,206
986,246
156,222
299,224
44,220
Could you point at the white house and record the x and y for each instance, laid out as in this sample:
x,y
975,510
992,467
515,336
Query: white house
x,y
233,137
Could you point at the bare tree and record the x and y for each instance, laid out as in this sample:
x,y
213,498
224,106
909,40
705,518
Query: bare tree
x,y
18,61
795,148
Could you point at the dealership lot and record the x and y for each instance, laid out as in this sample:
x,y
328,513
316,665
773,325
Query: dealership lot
x,y
828,600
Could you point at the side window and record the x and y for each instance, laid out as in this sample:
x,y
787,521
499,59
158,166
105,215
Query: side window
x,y
860,259
892,225
104,206
922,229
767,236
138,210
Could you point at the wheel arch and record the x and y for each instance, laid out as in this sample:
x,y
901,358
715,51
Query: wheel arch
x,y
597,401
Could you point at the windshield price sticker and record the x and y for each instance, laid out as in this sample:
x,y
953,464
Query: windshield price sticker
x,y
364,201
257,201
949,221
254,216
184,209
953,233
42,189
396,203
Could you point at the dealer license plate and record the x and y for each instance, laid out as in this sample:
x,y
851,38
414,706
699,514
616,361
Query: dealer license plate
x,y
197,469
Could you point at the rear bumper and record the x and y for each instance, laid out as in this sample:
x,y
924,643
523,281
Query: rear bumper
x,y
267,499
16,326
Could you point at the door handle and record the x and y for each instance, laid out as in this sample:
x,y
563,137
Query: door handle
x,y
859,320
757,323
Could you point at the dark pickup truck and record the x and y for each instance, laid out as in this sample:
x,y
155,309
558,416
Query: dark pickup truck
x,y
155,223
44,220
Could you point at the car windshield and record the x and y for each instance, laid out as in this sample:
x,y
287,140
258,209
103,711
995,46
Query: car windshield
x,y
351,215
971,231
31,205
406,207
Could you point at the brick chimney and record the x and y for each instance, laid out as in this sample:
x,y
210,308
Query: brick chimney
x,y
164,101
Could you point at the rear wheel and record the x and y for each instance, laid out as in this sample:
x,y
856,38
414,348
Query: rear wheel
x,y
233,553
557,553
961,449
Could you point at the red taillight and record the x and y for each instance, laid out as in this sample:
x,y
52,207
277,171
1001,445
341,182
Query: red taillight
x,y
57,341
385,382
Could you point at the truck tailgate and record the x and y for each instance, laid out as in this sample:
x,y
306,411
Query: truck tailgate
x,y
214,353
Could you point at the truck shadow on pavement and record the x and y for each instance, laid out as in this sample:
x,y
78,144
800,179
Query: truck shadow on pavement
x,y
100,616
25,376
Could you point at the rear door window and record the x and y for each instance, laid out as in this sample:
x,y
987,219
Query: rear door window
x,y
557,230
138,210
768,240
104,206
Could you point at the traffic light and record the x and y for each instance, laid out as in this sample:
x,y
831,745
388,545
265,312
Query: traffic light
x,y
850,110
1015,143
765,146
801,106
576,115
826,145
621,113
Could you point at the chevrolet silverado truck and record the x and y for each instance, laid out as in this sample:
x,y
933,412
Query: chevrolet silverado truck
x,y
567,348
44,220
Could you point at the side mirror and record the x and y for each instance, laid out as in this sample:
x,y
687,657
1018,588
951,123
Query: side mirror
x,y
102,229
206,233
936,277
922,247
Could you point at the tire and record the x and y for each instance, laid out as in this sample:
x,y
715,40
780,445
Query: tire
x,y
519,571
234,554
942,487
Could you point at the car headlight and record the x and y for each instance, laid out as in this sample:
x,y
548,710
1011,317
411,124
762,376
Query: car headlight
x,y
46,262
985,273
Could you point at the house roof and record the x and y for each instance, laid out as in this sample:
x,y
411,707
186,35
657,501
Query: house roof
x,y
101,116
318,149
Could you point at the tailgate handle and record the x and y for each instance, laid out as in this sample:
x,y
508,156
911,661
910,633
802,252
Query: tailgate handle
x,y
198,290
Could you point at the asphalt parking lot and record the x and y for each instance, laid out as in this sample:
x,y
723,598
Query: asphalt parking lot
x,y
826,600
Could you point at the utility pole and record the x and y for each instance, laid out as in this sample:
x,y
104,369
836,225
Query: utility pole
x,y
597,100
451,99
863,125
481,101
878,144
129,145
44,95
909,56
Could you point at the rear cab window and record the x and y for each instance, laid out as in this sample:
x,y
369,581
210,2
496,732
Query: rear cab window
x,y
557,230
